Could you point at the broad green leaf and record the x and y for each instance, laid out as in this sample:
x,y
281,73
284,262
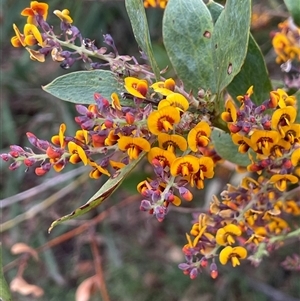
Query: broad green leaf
x,y
136,12
293,7
79,87
215,10
205,55
110,186
227,149
254,73
230,41
187,30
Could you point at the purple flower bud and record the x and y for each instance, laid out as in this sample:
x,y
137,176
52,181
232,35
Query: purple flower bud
x,y
145,205
194,273
15,165
184,266
5,157
81,109
17,148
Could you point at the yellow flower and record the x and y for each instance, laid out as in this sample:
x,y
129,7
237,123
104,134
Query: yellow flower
x,y
230,114
233,254
277,225
133,145
19,39
282,99
97,170
32,35
163,120
60,138
136,87
77,153
283,117
115,102
280,181
165,88
64,15
164,157
278,148
291,133
36,8
199,136
243,142
171,142
264,140
175,100
185,166
206,170
226,234
155,3
295,157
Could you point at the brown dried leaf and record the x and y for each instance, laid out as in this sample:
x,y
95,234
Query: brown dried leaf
x,y
86,289
20,248
20,286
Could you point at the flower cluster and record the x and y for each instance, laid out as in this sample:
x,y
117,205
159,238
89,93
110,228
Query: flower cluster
x,y
286,42
257,210
246,221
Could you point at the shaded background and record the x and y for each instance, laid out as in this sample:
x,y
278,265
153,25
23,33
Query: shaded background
x,y
138,255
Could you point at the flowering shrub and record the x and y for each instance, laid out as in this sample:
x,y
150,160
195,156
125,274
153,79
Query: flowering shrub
x,y
222,107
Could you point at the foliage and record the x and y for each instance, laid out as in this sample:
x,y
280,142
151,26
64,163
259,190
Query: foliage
x,y
219,111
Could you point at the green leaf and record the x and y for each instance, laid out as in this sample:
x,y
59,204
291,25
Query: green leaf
x,y
227,149
230,41
254,73
293,7
205,55
136,12
187,30
215,10
110,186
79,87
4,289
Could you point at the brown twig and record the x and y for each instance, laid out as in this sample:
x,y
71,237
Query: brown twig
x,y
68,235
98,267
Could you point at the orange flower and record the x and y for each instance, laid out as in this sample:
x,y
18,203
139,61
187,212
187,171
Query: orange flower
x,y
175,100
230,114
206,170
226,234
60,138
185,166
283,117
64,15
291,133
19,39
164,157
233,254
243,142
133,145
199,136
163,120
32,35
280,181
165,88
97,171
295,157
77,153
264,140
171,142
136,87
155,3
36,8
